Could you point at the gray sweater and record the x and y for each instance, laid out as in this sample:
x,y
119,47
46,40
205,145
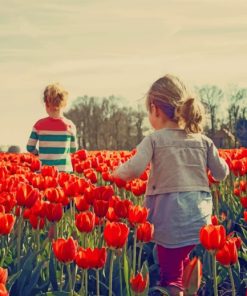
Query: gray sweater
x,y
179,162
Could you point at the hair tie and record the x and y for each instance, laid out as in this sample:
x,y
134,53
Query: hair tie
x,y
166,108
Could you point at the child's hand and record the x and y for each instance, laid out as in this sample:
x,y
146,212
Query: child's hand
x,y
35,152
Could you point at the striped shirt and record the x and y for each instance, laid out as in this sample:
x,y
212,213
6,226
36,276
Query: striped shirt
x,y
57,139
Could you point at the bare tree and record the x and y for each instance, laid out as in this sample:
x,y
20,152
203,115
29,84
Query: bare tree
x,y
103,124
211,95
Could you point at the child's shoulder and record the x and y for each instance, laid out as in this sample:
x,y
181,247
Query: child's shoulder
x,y
39,123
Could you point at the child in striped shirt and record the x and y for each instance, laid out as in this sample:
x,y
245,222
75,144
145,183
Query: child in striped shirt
x,y
56,135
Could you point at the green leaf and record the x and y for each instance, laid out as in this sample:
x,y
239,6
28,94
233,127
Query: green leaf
x,y
52,273
26,271
126,272
33,280
12,279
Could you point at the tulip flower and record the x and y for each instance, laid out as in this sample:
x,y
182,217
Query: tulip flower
x,y
3,275
145,232
101,207
53,211
192,276
116,234
26,195
121,208
54,194
214,220
245,215
3,290
138,283
65,250
111,215
85,221
91,258
81,203
228,254
137,214
36,222
7,222
50,171
213,237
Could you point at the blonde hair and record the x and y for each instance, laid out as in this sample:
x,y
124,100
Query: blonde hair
x,y
55,96
171,95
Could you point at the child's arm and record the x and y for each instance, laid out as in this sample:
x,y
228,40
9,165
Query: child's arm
x,y
136,165
73,143
216,164
32,141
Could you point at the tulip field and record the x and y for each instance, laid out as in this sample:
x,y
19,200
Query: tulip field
x,y
87,233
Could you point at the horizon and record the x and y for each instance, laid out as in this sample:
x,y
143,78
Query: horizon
x,y
106,48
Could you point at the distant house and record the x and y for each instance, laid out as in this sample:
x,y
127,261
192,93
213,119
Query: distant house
x,y
223,138
241,132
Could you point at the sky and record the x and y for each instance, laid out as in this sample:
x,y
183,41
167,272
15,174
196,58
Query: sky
x,y
112,47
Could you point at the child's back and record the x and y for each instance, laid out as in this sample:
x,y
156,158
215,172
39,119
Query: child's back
x,y
55,134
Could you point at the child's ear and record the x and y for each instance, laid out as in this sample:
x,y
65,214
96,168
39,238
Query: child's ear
x,y
157,111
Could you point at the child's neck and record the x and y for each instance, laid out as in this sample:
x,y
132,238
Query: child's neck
x,y
55,114
168,124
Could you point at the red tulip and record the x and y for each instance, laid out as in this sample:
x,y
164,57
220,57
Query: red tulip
x,y
121,207
81,203
213,237
243,201
214,220
119,182
7,222
3,290
145,232
137,214
3,275
138,284
36,222
26,195
91,258
85,221
50,171
245,215
54,194
100,207
82,154
116,234
111,215
192,276
228,254
65,250
53,211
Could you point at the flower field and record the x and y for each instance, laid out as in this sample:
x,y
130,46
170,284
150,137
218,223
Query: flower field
x,y
87,233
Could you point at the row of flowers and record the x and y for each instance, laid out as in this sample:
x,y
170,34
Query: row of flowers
x,y
91,221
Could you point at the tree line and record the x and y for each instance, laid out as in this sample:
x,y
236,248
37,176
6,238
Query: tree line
x,y
104,123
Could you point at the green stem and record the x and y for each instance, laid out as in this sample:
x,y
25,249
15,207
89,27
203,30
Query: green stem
x,y
86,282
111,273
70,279
120,275
134,250
97,283
214,274
140,257
82,283
61,278
232,281
19,232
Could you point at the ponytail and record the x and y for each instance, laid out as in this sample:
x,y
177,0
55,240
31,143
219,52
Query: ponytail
x,y
192,114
